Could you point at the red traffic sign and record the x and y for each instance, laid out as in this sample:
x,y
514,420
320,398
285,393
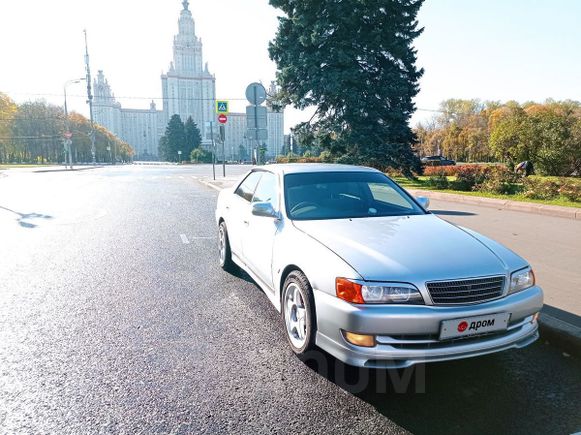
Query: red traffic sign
x,y
222,119
68,134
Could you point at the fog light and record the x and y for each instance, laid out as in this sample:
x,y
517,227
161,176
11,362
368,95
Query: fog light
x,y
359,339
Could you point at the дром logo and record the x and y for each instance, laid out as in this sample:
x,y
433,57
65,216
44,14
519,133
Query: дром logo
x,y
462,326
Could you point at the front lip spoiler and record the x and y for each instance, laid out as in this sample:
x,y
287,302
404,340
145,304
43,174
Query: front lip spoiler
x,y
387,357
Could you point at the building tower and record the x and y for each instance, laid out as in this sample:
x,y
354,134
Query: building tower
x,y
188,88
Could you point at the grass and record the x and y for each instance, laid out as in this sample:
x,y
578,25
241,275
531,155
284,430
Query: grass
x,y
421,184
15,165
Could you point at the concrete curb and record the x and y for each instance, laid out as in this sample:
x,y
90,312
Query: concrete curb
x,y
503,204
564,334
80,168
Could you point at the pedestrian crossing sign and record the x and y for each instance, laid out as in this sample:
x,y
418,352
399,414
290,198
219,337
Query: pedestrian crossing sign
x,y
222,107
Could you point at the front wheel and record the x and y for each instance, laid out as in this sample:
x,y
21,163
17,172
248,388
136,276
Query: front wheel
x,y
298,311
226,262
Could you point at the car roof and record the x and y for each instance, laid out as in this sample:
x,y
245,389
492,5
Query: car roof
x,y
297,168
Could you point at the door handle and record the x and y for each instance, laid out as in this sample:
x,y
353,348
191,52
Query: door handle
x,y
246,222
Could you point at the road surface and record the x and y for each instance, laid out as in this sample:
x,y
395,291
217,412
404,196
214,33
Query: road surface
x,y
115,317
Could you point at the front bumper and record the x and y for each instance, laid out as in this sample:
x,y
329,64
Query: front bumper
x,y
408,335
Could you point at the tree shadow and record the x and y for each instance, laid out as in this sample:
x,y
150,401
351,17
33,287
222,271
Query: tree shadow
x,y
24,218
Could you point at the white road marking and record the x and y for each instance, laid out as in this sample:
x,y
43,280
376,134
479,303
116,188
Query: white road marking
x,y
185,240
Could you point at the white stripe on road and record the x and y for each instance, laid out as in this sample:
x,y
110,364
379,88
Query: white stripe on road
x,y
185,240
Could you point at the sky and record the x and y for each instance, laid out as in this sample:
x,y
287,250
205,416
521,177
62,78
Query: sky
x,y
487,49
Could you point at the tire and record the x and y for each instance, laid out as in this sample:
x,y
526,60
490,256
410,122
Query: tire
x,y
298,313
225,253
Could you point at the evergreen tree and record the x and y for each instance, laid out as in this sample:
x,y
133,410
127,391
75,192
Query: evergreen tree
x,y
355,61
173,141
193,136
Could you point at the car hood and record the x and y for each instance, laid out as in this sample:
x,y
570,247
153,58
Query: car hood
x,y
411,248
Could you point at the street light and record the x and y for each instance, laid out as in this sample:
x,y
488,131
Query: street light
x,y
67,141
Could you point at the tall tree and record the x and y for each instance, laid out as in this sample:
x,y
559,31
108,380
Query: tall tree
x,y
174,140
193,136
8,110
355,61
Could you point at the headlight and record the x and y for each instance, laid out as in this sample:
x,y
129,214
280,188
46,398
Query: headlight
x,y
378,293
521,280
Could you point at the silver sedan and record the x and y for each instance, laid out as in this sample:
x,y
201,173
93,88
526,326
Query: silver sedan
x,y
361,269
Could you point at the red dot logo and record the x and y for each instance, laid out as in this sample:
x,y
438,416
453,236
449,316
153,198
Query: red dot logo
x,y
462,326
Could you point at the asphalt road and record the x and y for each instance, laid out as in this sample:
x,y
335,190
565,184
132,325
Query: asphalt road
x,y
115,318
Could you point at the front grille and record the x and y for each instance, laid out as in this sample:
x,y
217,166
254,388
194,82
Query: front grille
x,y
467,291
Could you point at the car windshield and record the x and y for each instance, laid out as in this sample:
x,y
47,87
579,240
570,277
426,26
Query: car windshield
x,y
342,195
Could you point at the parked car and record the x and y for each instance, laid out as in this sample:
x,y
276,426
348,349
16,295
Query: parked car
x,y
361,269
437,161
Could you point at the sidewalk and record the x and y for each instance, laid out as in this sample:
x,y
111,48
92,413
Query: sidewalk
x,y
556,324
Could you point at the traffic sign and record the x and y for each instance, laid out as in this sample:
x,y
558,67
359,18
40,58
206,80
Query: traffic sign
x,y
222,119
68,134
256,94
222,107
256,117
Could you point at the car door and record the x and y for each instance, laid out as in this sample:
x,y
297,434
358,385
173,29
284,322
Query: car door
x,y
259,236
239,210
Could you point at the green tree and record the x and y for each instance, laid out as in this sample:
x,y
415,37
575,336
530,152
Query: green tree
x,y
356,63
192,135
8,110
174,140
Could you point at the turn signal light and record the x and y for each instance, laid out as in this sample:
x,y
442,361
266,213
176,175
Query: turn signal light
x,y
348,291
359,339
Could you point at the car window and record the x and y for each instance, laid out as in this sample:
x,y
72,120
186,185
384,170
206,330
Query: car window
x,y
248,186
341,195
387,194
267,190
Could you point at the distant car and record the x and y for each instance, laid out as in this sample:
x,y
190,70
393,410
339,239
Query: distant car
x,y
437,161
361,269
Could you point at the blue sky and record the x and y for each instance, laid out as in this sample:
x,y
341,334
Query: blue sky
x,y
499,50
486,49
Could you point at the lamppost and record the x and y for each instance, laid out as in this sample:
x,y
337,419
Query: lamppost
x,y
68,135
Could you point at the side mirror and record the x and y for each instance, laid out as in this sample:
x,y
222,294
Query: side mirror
x,y
264,209
423,201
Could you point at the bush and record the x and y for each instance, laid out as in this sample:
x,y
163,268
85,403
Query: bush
x,y
438,181
326,157
571,190
540,188
452,171
200,155
468,176
499,179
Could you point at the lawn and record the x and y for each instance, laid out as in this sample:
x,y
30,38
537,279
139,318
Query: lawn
x,y
421,184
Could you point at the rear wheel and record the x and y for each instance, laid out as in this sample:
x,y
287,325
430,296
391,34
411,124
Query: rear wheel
x,y
298,312
226,262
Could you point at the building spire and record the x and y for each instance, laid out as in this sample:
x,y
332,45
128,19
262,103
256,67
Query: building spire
x,y
186,4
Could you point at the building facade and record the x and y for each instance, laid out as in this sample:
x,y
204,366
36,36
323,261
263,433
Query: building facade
x,y
188,89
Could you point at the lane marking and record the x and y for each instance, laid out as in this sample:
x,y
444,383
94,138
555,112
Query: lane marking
x,y
185,240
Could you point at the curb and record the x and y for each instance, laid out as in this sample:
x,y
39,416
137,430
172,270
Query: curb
x,y
564,334
67,170
503,204
209,184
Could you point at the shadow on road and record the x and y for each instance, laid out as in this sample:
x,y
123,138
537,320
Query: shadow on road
x,y
502,393
453,213
24,217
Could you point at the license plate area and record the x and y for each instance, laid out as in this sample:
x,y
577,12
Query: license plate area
x,y
469,326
